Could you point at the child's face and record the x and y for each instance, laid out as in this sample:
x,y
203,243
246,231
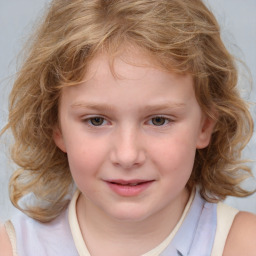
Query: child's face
x,y
131,139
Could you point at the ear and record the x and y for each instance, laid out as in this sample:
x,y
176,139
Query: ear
x,y
58,139
205,134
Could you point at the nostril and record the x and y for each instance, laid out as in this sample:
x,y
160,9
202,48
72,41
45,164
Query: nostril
x,y
128,160
127,151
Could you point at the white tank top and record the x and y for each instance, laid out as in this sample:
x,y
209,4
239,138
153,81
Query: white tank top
x,y
196,233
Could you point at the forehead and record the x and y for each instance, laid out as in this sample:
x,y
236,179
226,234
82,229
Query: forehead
x,y
122,61
129,62
129,80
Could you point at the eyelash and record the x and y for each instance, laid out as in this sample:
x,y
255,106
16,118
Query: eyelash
x,y
165,119
89,121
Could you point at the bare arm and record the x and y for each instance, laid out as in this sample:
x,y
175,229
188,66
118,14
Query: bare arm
x,y
5,243
242,236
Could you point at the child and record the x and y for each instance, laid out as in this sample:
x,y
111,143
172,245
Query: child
x,y
135,102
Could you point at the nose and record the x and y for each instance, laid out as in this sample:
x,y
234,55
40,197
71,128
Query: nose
x,y
127,149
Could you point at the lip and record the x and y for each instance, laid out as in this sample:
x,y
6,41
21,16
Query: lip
x,y
129,188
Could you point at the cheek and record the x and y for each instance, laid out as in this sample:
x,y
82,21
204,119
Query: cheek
x,y
84,165
175,155
85,158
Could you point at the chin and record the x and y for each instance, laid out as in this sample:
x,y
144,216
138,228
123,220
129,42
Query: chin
x,y
129,214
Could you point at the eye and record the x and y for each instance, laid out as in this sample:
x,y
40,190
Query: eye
x,y
159,121
96,121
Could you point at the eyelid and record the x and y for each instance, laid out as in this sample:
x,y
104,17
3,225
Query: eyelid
x,y
167,118
86,119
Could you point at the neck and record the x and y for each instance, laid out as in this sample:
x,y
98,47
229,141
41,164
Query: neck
x,y
117,237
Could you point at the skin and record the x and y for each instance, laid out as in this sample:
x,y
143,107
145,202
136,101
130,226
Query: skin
x,y
240,241
5,243
242,236
128,145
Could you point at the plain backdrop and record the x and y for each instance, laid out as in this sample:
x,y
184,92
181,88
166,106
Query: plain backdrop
x,y
17,18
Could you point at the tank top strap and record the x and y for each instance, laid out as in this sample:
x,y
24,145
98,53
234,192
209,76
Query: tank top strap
x,y
196,235
225,217
12,236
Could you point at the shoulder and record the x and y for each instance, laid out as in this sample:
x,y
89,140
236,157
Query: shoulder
x,y
5,243
242,236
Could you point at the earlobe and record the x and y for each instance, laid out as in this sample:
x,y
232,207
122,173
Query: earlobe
x,y
205,133
58,139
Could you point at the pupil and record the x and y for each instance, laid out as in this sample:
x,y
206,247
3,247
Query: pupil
x,y
158,121
97,121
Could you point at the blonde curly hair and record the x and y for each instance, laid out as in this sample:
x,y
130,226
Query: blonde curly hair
x,y
182,35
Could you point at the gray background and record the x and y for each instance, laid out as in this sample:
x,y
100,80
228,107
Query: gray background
x,y
17,18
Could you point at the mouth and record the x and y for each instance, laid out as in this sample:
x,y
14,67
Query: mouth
x,y
129,183
129,188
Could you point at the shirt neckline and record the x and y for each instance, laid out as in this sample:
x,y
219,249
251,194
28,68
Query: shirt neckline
x,y
81,245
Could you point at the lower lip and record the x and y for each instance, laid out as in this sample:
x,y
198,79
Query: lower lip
x,y
129,191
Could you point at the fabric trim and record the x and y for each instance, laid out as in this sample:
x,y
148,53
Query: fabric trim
x,y
225,217
12,236
75,229
80,243
161,247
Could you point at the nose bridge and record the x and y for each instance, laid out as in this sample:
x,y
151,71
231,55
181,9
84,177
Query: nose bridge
x,y
128,149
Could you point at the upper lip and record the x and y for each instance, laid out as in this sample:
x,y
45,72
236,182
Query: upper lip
x,y
128,182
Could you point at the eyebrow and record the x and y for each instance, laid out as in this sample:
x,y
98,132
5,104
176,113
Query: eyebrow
x,y
148,108
93,106
164,106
